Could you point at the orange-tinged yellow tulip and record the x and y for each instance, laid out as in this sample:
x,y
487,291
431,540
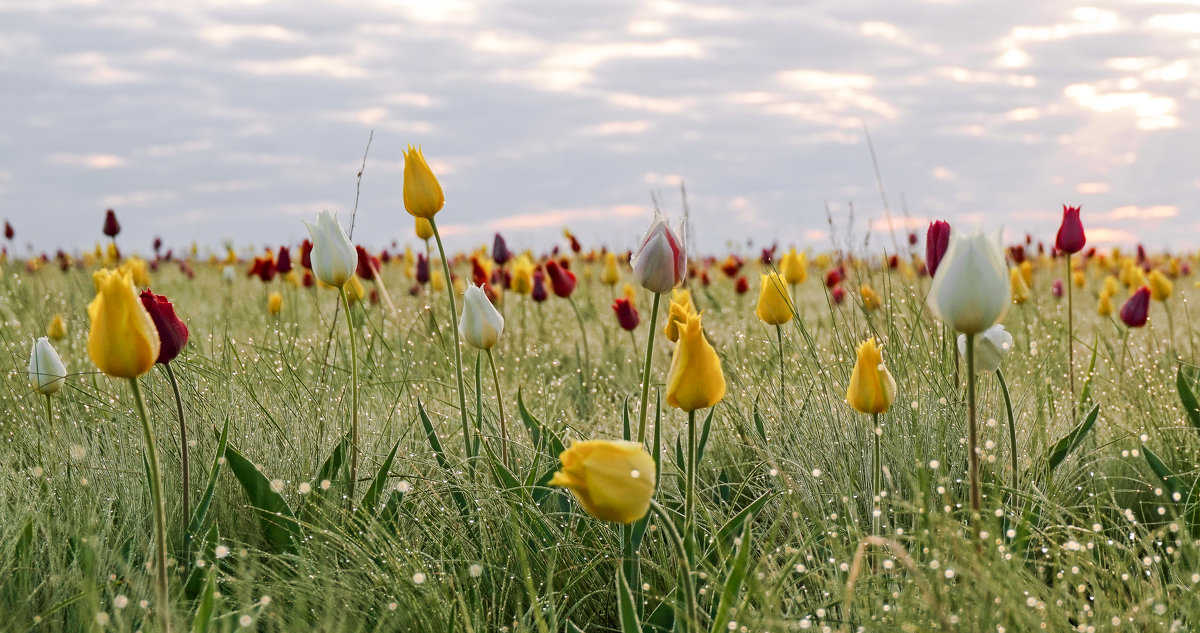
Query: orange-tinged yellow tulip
x,y
57,330
794,267
611,274
1016,283
424,228
1160,287
423,195
774,305
275,303
872,388
613,481
871,299
678,312
695,380
122,341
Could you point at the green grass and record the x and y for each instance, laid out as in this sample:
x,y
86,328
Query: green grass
x,y
1098,544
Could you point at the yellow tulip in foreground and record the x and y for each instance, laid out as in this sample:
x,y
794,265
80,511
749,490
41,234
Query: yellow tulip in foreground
x,y
423,195
695,380
122,341
774,305
612,480
679,311
872,388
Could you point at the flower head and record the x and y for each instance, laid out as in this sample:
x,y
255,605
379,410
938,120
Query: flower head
x,y
970,291
991,346
660,263
481,324
122,341
1136,310
333,258
46,370
678,311
423,195
1070,237
172,331
937,240
695,380
613,481
774,304
872,388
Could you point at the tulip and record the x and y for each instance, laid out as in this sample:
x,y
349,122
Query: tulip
x,y
1017,287
613,481
306,254
872,388
422,270
627,315
991,346
679,309
1160,286
630,293
522,276
354,290
611,274
1026,268
111,227
1104,307
368,264
838,294
937,240
172,332
794,267
57,330
500,252
660,263
9,233
424,228
695,380
742,285
283,261
774,305
871,299
46,370
1070,238
1056,288
423,195
538,293
275,303
562,280
122,341
136,267
970,291
481,324
333,258
1136,310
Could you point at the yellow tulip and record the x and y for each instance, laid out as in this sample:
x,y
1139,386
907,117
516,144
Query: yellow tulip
x,y
122,341
423,195
522,276
1078,278
424,228
1160,286
613,481
354,290
774,305
274,303
138,271
630,294
57,330
1105,307
870,298
872,388
678,312
1027,273
695,380
437,281
1016,283
460,286
1173,267
794,267
611,274
113,256
823,261
1111,286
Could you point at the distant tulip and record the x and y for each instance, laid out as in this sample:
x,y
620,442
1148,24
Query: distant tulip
x,y
838,294
660,263
794,267
500,252
1026,268
275,303
695,380
991,346
481,324
172,331
283,261
354,290
1136,310
9,233
333,258
1105,306
306,254
970,291
46,370
423,195
1056,288
679,310
422,269
627,315
871,299
1111,286
834,277
122,341
630,294
138,272
112,228
774,304
1070,238
1078,279
872,388
937,240
57,330
522,276
228,274
562,281
613,481
368,264
1017,287
742,285
437,281
538,293
1160,287
611,274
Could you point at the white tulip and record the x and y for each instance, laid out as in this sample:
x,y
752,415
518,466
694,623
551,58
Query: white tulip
x,y
970,291
46,370
991,346
481,325
660,263
229,274
333,256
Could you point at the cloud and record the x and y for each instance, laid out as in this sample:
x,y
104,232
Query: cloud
x,y
1134,212
323,65
87,161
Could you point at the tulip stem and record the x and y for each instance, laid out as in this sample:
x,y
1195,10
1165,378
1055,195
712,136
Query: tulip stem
x,y
583,334
779,334
354,400
689,503
500,409
160,511
877,477
972,431
685,572
183,451
1012,430
1070,329
458,372
646,369
50,415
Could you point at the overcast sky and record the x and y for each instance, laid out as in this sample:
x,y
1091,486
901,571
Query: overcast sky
x,y
203,119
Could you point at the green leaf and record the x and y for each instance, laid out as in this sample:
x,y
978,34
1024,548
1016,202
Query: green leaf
x,y
539,432
704,435
1170,480
197,519
627,608
278,523
759,425
1188,398
371,499
1091,373
735,522
197,575
1071,441
204,610
626,432
460,500
733,582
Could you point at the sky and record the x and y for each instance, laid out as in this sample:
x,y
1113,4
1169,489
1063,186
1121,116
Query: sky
x,y
209,120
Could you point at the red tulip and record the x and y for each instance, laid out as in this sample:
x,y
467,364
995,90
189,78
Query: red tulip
x,y
478,275
309,279
157,244
627,315
1057,288
539,286
1070,238
283,261
562,281
9,233
937,240
263,267
1136,310
306,254
111,226
422,269
834,277
365,263
839,294
912,238
500,251
172,332
742,285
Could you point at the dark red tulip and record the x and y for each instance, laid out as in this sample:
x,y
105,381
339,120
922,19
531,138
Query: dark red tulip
x,y
742,285
172,332
912,238
385,256
478,275
306,254
9,233
111,227
768,255
704,278
1141,255
627,315
1070,238
263,268
731,265
1016,254
309,280
366,262
575,247
893,262
562,281
839,294
834,277
937,240
1136,310
422,269
539,286
501,277
157,245
500,251
1057,288
283,261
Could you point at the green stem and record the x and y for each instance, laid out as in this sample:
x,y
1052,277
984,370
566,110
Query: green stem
x,y
183,450
689,506
354,448
877,478
50,415
972,431
160,511
1070,329
692,613
458,371
583,334
646,369
1012,429
500,407
779,334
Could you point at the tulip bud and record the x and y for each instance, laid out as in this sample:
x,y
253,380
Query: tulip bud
x,y
481,324
112,228
695,380
1017,287
333,257
423,195
9,233
46,370
1160,286
742,285
538,293
1056,288
678,311
562,281
275,303
1136,310
500,252
872,388
611,274
1105,306
172,331
627,315
794,267
283,261
1070,238
122,341
522,276
970,291
57,330
613,481
937,240
774,304
660,263
838,294
991,346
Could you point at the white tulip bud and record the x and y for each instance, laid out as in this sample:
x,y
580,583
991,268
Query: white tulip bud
x,y
970,291
46,369
660,263
991,346
481,324
333,257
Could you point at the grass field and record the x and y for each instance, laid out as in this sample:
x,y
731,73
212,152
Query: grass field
x,y
439,536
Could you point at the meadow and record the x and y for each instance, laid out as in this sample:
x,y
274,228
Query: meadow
x,y
1095,530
